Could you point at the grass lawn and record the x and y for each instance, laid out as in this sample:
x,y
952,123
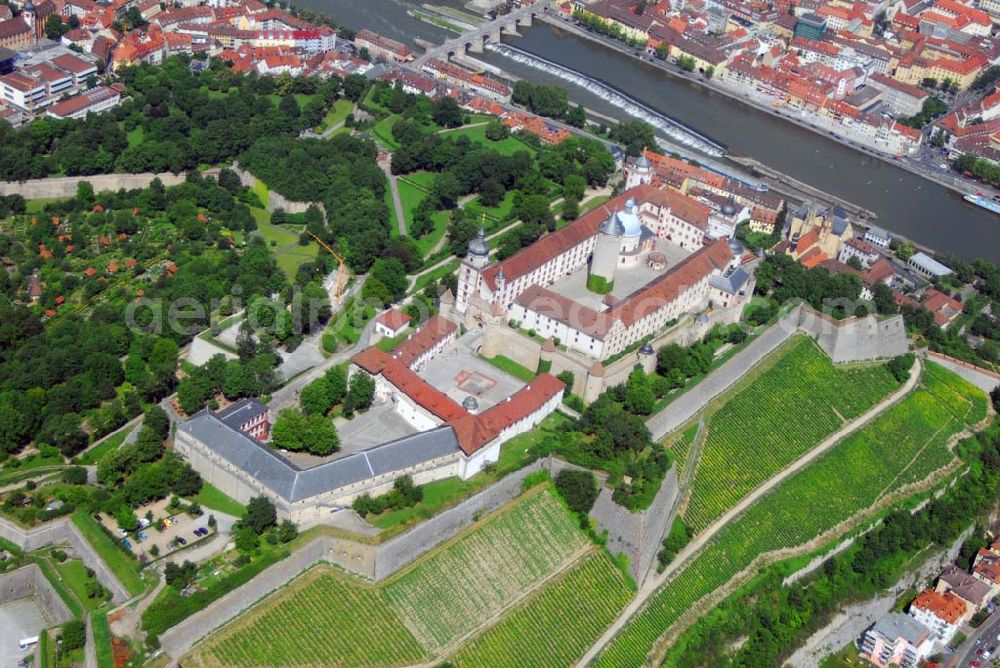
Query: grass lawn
x,y
442,494
212,498
515,369
411,194
497,214
38,205
423,180
593,203
59,584
284,243
74,574
10,474
113,442
341,108
263,193
383,131
387,344
477,134
135,136
393,220
102,640
431,276
122,565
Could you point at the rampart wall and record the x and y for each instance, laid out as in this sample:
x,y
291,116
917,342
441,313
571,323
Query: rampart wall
x,y
63,531
65,186
29,581
275,200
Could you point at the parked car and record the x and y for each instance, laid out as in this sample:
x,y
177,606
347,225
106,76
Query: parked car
x,y
181,541
201,531
128,544
97,516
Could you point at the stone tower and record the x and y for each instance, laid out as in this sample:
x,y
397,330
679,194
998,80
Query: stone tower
x,y
604,261
28,12
638,172
471,272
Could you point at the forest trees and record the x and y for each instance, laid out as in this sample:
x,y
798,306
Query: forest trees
x,y
183,120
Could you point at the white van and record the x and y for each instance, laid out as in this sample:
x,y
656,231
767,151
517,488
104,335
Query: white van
x,y
25,643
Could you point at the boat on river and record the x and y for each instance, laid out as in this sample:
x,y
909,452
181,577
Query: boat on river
x,y
981,200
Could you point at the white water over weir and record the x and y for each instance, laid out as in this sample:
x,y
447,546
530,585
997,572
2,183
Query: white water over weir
x,y
674,131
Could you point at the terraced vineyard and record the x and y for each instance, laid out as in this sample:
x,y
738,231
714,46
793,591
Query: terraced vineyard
x,y
464,584
556,626
773,420
903,445
326,618
321,619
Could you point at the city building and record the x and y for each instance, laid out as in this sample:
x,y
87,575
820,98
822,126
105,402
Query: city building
x,y
943,614
93,101
969,589
392,323
924,265
810,26
249,417
878,237
897,639
383,48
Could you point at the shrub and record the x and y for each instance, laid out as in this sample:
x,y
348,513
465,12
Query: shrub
x,y
579,488
75,475
73,634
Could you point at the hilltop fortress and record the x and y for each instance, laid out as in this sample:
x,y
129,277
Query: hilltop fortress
x,y
613,277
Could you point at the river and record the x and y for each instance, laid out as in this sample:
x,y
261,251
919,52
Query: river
x,y
905,203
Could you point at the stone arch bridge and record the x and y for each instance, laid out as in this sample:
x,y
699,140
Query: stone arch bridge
x,y
475,40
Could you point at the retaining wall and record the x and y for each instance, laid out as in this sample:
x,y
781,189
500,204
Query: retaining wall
x,y
402,550
275,200
62,531
502,340
854,339
65,186
636,534
29,581
177,640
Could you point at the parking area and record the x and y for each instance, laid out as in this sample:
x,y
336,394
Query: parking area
x,y
22,618
167,530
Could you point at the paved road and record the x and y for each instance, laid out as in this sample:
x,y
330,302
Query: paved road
x,y
984,638
397,203
653,584
685,407
288,394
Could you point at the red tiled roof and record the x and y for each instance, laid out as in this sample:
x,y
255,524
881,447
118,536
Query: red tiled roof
x,y
528,259
393,319
670,285
475,431
432,331
947,606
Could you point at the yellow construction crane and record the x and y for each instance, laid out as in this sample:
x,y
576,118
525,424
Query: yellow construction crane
x,y
338,288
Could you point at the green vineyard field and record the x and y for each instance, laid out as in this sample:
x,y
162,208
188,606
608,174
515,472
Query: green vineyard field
x,y
903,445
326,618
773,420
321,619
464,584
554,627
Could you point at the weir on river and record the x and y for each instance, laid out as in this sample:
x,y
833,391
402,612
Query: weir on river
x,y
675,131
